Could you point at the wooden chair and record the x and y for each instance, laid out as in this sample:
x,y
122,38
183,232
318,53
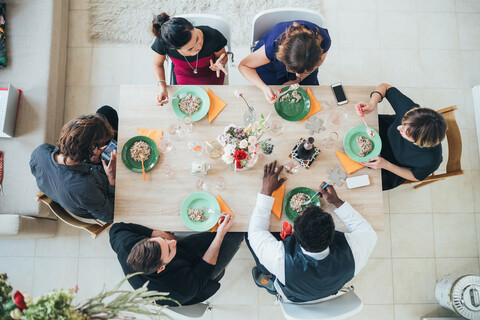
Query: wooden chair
x,y
454,140
95,229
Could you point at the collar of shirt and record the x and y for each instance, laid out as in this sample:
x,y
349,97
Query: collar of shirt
x,y
317,255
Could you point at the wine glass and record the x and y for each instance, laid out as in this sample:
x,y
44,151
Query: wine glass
x,y
166,145
188,122
196,148
176,131
275,124
220,183
168,171
291,167
338,115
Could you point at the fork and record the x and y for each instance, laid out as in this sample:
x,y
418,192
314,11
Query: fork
x,y
369,130
180,96
311,198
205,209
292,87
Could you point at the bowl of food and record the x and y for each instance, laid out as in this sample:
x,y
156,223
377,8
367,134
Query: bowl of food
x,y
133,150
294,199
195,104
294,105
194,215
359,146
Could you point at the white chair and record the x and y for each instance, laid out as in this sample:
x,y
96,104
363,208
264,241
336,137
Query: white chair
x,y
215,22
339,307
265,20
193,311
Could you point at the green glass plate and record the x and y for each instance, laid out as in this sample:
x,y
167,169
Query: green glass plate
x,y
292,214
351,147
197,92
198,200
293,111
136,166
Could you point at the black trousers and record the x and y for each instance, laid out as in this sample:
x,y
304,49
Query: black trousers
x,y
260,266
112,117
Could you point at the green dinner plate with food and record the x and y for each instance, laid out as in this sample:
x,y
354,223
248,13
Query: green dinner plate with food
x,y
353,148
199,200
136,166
189,104
293,107
290,212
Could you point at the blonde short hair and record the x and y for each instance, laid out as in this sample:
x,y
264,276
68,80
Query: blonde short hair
x,y
425,126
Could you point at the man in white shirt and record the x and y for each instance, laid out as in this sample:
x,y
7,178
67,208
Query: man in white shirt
x,y
316,261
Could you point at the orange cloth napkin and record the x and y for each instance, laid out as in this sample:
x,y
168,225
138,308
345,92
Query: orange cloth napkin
x,y
216,105
277,205
349,165
223,209
314,105
155,135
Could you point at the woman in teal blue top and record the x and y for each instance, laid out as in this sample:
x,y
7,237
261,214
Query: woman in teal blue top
x,y
289,53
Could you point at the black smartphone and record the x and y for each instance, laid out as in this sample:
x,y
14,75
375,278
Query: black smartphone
x,y
112,145
339,93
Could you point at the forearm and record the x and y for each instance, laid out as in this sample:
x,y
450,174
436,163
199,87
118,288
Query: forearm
x,y
382,88
211,254
159,74
251,75
400,171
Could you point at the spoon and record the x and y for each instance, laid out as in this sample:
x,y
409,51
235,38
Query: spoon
x,y
180,96
368,129
143,167
205,209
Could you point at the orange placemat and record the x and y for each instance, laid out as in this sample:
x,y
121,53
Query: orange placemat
x,y
216,105
223,208
349,165
277,205
155,135
315,106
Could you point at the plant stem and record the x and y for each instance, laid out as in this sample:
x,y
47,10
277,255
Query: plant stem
x,y
249,108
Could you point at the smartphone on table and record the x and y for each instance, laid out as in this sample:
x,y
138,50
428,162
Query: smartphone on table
x,y
112,145
339,93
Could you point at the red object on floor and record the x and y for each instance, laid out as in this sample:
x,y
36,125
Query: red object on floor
x,y
287,230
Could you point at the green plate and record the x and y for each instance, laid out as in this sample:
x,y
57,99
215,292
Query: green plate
x,y
198,92
292,214
293,111
199,200
136,166
351,147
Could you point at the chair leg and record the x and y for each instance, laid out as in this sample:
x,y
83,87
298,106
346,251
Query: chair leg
x,y
425,183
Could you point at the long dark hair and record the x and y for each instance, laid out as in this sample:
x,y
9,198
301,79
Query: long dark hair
x,y
174,32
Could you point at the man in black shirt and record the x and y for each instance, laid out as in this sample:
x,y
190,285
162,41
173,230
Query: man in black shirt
x,y
188,269
411,139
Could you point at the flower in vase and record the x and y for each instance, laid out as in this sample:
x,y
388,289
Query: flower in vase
x,y
252,140
227,158
229,149
19,300
222,140
240,155
243,144
237,93
16,314
251,148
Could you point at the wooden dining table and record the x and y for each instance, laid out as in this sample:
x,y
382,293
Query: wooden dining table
x,y
156,202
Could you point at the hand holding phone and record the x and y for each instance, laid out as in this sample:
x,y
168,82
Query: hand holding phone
x,y
339,93
112,145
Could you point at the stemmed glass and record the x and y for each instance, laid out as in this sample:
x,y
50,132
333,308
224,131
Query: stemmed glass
x,y
166,145
196,148
168,171
220,183
176,131
275,124
188,122
202,184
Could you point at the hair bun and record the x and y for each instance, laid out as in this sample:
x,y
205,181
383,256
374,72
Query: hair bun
x,y
161,19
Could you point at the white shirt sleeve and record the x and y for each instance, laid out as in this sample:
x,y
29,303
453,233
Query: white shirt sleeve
x,y
361,239
267,248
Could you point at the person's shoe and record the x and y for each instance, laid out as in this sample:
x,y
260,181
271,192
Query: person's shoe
x,y
220,276
262,282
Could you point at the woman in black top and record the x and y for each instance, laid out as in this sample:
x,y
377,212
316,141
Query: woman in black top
x,y
197,53
411,139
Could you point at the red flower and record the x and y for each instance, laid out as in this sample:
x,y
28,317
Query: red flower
x,y
240,155
19,300
286,230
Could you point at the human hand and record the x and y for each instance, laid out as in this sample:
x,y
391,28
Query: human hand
x,y
164,234
110,169
218,65
97,152
271,182
289,83
224,224
376,163
364,108
269,94
330,195
162,95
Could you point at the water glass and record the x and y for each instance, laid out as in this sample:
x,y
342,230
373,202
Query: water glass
x,y
166,145
275,124
196,148
338,115
188,122
220,183
291,167
202,184
176,131
168,171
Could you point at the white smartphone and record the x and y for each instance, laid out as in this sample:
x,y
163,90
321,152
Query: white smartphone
x,y
357,182
339,93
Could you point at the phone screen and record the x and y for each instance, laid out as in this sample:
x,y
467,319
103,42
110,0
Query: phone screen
x,y
339,93
112,145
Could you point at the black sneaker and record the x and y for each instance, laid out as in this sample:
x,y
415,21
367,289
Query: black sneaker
x,y
261,282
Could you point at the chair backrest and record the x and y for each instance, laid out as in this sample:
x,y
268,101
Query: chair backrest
x,y
265,20
454,139
341,307
187,312
93,228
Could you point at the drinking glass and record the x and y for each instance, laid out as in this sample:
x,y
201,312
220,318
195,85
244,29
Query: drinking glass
x,y
214,149
291,167
188,122
176,131
220,183
165,145
196,148
249,117
202,184
168,171
338,115
275,124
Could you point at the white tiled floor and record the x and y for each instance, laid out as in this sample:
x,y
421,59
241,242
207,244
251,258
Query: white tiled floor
x,y
430,49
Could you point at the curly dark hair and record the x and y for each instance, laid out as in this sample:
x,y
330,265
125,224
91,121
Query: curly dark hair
x,y
145,256
314,229
80,136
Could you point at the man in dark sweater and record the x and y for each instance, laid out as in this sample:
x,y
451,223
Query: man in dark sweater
x,y
188,269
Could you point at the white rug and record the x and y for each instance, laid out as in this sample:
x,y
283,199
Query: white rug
x,y
129,21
